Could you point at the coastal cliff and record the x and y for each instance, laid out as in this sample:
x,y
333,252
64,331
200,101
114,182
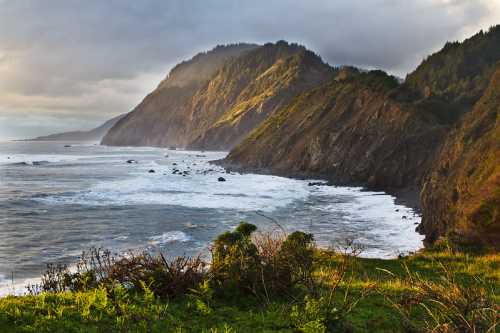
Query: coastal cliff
x,y
436,133
350,131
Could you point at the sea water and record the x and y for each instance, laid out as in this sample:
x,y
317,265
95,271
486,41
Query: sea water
x,y
57,199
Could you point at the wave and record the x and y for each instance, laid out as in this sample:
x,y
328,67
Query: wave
x,y
239,192
170,237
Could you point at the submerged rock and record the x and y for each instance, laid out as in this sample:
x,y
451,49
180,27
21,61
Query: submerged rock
x,y
151,171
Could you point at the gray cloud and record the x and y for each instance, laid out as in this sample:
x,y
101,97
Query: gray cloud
x,y
90,60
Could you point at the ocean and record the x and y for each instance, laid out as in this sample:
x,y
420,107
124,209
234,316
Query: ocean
x,y
58,199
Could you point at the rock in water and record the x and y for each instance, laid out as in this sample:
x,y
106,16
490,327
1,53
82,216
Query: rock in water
x,y
221,179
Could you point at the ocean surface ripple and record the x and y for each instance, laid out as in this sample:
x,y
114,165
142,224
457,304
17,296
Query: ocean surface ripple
x,y
57,199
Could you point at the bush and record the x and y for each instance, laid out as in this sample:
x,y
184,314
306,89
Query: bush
x,y
235,260
264,265
98,267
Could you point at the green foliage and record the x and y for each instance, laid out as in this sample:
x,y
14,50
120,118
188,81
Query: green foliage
x,y
460,71
296,255
450,303
202,298
238,264
235,261
441,289
316,315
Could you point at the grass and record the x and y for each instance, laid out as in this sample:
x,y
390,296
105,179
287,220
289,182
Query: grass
x,y
430,291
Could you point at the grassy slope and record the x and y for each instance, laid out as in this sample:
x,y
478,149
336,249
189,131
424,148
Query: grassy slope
x,y
93,311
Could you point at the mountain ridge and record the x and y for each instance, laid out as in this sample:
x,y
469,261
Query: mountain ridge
x,y
95,134
219,112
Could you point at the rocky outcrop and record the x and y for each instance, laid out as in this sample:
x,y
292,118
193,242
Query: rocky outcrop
x,y
94,135
219,112
461,197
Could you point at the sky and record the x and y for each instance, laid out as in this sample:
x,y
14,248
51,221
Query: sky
x,y
72,64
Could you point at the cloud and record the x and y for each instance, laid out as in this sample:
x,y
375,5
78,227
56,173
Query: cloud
x,y
94,59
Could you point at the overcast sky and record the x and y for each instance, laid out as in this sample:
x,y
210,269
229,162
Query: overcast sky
x,y
72,64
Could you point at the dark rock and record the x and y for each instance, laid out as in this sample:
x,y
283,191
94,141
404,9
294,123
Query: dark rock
x,y
317,184
131,161
221,179
151,171
67,146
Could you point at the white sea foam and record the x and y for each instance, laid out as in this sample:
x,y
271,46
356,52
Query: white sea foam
x,y
391,224
16,287
238,192
169,237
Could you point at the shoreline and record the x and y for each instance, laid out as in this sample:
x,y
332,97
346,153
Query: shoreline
x,y
409,196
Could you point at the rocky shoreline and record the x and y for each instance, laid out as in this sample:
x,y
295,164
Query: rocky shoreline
x,y
409,197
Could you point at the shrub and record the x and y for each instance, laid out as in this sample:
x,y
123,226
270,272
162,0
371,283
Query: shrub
x,y
235,260
98,267
262,265
296,255
165,278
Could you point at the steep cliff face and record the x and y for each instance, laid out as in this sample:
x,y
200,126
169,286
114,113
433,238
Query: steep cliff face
x,y
462,194
250,88
219,112
160,119
350,131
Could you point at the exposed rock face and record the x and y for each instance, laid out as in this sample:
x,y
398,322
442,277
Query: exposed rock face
x,y
350,131
161,118
462,194
93,135
249,89
218,113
